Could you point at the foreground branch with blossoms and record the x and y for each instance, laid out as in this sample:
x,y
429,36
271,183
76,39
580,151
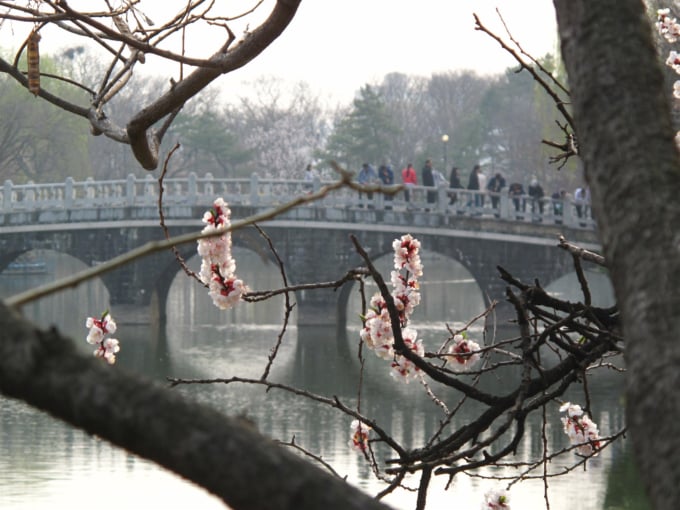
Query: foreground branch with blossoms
x,y
460,362
582,335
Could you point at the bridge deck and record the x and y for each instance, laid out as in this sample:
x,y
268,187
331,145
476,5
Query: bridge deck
x,y
44,206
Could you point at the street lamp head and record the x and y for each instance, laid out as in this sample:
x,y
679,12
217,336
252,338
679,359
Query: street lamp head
x,y
445,138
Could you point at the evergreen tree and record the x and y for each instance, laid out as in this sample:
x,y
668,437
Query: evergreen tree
x,y
365,134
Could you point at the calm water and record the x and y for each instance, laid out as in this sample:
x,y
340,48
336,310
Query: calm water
x,y
45,464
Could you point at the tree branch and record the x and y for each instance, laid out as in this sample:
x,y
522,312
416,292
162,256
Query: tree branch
x,y
144,144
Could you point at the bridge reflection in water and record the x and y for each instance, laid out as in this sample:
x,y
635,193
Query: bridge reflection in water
x,y
96,221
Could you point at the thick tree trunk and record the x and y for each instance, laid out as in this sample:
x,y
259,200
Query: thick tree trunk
x,y
623,124
226,456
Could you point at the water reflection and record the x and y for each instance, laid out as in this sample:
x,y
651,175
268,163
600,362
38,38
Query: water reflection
x,y
46,463
89,298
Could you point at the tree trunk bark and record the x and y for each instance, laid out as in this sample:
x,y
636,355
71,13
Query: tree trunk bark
x,y
226,456
623,125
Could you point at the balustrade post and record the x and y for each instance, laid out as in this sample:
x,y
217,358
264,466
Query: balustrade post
x,y
7,196
442,202
192,189
29,195
68,193
130,191
568,215
504,206
149,188
209,187
90,193
254,190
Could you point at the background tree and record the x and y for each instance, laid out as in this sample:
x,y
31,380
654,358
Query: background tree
x,y
405,97
141,36
207,143
38,141
281,129
453,107
517,114
365,133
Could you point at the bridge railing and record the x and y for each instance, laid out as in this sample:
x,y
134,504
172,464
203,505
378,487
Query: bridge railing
x,y
259,192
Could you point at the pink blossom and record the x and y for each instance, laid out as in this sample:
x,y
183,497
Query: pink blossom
x,y
359,439
464,352
580,429
218,267
107,350
403,367
218,216
99,328
667,25
225,292
377,332
407,255
496,499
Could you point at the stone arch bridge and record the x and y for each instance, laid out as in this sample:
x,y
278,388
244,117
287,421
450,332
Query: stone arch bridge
x,y
96,221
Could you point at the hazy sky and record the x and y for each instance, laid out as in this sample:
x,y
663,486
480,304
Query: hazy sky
x,y
339,45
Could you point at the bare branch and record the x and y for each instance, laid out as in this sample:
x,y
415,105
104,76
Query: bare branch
x,y
582,253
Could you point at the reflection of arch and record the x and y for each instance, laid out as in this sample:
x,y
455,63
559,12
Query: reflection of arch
x,y
449,291
7,258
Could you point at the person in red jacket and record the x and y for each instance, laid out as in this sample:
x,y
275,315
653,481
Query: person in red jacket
x,y
409,178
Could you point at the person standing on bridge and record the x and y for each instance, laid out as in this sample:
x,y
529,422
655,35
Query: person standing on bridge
x,y
410,179
367,177
516,194
386,176
536,193
477,184
309,178
496,185
427,175
454,183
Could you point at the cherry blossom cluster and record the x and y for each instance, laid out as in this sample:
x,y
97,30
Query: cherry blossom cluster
x,y
377,331
580,429
667,25
463,352
402,367
105,347
359,440
496,499
669,29
218,268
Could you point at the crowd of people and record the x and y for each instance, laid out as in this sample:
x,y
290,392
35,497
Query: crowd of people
x,y
532,199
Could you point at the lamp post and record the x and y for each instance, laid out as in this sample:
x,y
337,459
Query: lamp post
x,y
445,140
